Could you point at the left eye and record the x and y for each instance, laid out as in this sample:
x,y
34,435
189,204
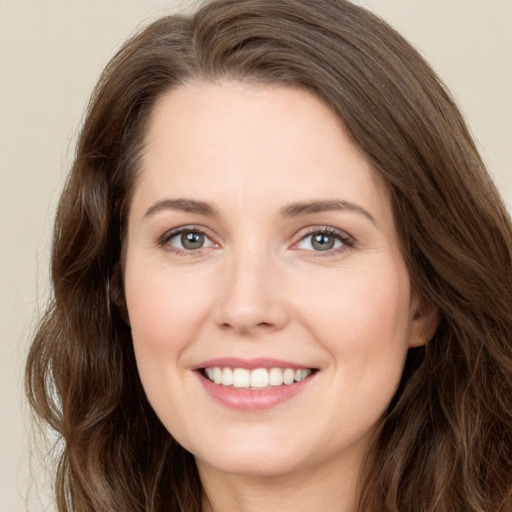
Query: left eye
x,y
320,241
189,240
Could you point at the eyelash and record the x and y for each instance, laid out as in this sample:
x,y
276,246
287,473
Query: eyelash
x,y
347,241
169,235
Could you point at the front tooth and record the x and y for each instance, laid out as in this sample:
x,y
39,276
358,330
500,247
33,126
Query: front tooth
x,y
275,376
227,377
288,376
259,378
217,375
241,378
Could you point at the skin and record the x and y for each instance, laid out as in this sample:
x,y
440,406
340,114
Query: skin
x,y
259,288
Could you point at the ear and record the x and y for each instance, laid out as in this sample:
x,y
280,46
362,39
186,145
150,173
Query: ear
x,y
117,293
424,321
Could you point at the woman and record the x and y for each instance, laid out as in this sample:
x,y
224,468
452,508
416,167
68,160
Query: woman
x,y
282,278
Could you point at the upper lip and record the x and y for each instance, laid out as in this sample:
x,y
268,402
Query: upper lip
x,y
249,364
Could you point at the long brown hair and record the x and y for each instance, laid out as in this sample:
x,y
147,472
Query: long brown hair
x,y
445,444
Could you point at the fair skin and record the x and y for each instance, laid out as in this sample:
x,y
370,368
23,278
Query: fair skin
x,y
259,237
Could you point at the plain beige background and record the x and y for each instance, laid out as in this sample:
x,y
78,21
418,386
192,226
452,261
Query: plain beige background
x,y
51,53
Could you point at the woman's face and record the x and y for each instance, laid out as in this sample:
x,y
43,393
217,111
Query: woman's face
x,y
270,307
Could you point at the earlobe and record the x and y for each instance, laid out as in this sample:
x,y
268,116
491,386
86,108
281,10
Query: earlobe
x,y
117,297
424,323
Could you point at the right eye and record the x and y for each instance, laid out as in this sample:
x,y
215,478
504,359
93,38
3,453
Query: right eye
x,y
187,240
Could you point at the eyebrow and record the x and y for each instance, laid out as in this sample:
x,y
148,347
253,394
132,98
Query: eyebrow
x,y
309,207
292,210
183,204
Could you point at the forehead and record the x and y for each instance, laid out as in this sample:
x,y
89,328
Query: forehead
x,y
211,112
242,141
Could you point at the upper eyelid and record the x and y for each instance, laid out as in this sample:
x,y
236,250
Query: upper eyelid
x,y
170,233
311,230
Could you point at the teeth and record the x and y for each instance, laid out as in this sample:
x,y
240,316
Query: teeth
x,y
255,379
217,375
259,378
275,376
227,377
241,378
288,376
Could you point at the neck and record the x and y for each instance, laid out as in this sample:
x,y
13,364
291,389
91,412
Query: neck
x,y
327,489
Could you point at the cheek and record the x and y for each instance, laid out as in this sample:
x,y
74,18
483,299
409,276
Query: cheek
x,y
362,317
165,313
362,300
363,322
164,307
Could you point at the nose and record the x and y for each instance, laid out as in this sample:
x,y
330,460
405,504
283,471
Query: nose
x,y
252,298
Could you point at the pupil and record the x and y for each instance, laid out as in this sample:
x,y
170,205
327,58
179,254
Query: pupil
x,y
192,240
323,242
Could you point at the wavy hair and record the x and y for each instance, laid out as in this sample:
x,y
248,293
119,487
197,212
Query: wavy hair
x,y
445,444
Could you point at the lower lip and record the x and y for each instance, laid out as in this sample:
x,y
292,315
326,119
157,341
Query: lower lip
x,y
253,400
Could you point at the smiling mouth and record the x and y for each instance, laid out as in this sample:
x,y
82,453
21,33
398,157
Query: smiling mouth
x,y
259,378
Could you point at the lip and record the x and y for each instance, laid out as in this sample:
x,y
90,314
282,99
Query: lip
x,y
252,400
249,364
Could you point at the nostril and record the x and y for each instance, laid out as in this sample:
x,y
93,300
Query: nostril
x,y
247,328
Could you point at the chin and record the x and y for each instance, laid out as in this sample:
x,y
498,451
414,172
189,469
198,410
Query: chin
x,y
258,457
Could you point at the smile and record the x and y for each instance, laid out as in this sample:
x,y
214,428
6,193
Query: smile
x,y
259,378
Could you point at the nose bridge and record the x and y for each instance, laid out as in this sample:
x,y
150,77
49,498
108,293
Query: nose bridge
x,y
251,299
